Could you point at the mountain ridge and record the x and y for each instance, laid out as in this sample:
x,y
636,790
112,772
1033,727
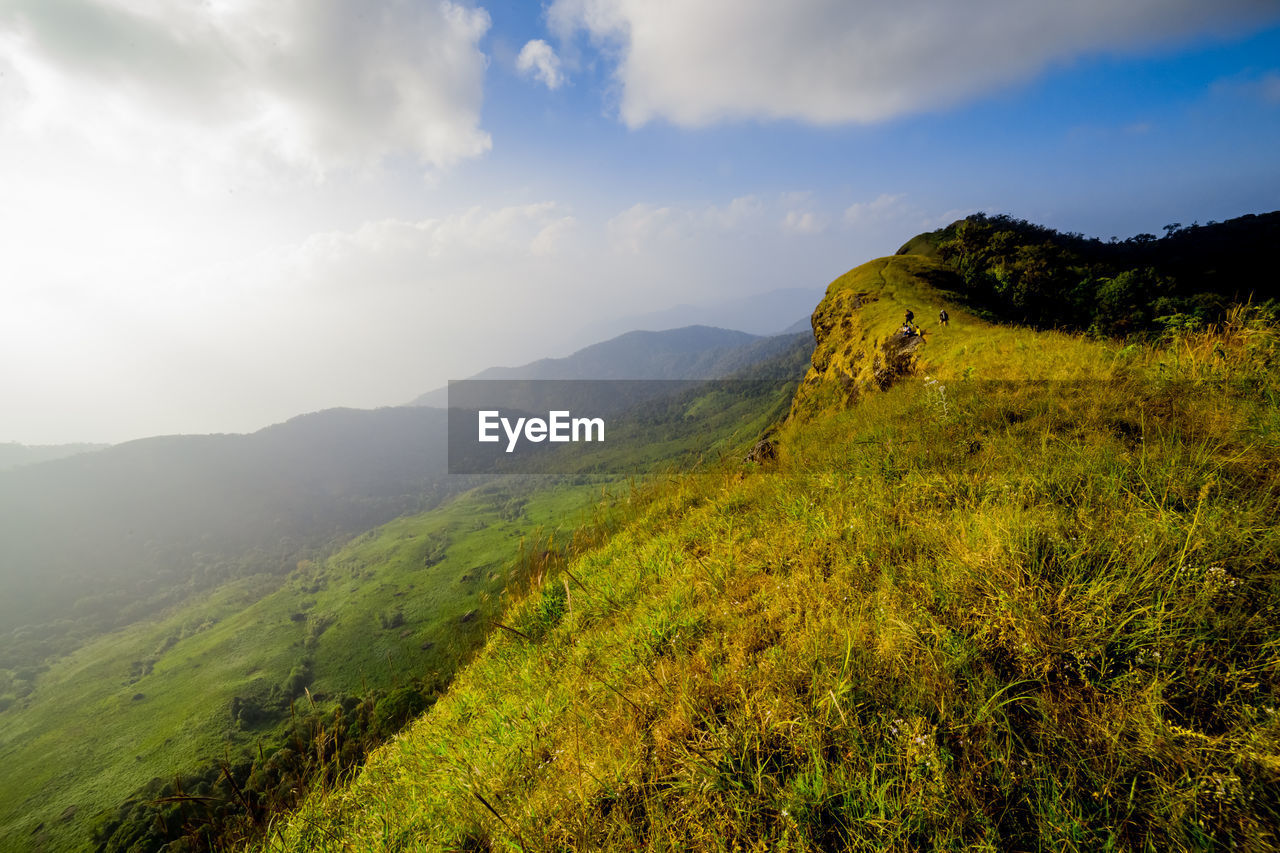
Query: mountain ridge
x,y
757,314
905,620
998,602
692,352
15,455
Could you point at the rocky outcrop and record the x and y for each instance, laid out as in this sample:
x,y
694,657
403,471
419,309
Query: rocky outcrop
x,y
896,358
861,344
763,452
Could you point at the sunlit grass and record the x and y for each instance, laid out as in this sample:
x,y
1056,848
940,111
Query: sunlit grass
x,y
98,729
961,614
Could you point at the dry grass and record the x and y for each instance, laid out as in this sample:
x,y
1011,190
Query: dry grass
x,y
960,615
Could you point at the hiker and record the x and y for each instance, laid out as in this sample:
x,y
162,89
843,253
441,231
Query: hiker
x,y
910,316
942,317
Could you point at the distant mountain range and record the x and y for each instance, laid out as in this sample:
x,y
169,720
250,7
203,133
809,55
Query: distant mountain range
x,y
179,510
764,314
183,583
178,507
694,352
13,455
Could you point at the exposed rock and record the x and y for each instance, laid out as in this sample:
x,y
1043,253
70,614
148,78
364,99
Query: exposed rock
x,y
897,357
860,343
764,451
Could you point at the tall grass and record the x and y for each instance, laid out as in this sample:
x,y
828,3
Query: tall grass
x,y
959,615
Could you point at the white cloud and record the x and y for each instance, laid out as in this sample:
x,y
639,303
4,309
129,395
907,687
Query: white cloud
x,y
368,316
883,206
735,214
248,333
538,59
890,219
696,62
642,226
804,222
308,85
635,228
645,227
891,216
399,249
942,220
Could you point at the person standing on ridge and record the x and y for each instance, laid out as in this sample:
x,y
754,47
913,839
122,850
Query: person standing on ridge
x,y
942,317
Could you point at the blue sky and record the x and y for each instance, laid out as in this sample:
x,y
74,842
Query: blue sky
x,y
1101,143
220,215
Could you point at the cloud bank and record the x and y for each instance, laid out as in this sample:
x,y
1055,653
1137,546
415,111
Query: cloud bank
x,y
697,62
307,85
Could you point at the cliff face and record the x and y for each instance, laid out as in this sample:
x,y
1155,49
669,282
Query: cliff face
x,y
861,344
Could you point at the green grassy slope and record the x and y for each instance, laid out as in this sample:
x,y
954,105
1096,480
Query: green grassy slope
x,y
91,542
961,614
864,307
153,699
93,753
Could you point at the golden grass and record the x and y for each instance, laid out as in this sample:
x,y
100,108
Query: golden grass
x,y
962,614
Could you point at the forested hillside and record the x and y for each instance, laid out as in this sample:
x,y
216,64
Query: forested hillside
x,y
1017,271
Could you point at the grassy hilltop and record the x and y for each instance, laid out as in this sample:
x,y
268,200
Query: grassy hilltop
x,y
1007,589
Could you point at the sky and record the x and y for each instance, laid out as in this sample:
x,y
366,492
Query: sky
x,y
218,214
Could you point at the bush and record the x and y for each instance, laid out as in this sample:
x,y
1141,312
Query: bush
x,y
397,708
